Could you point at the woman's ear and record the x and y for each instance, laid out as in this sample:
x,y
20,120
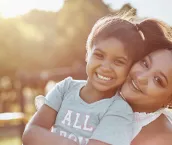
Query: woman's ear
x,y
169,105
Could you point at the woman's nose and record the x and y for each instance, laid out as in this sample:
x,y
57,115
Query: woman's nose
x,y
142,78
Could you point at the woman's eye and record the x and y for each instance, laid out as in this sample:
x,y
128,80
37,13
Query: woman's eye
x,y
144,63
158,80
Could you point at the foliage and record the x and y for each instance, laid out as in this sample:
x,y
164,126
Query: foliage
x,y
41,40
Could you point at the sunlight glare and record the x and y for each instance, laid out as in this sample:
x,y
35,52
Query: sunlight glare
x,y
13,8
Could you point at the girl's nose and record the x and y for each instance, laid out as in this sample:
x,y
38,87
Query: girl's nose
x,y
106,66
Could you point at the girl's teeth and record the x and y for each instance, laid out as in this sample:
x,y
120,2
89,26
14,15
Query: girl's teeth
x,y
103,78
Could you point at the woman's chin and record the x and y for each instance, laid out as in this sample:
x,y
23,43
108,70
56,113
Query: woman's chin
x,y
127,93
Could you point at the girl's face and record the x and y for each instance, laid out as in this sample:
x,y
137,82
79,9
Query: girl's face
x,y
149,84
107,65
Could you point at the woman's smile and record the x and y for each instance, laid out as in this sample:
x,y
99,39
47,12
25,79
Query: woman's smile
x,y
149,84
134,85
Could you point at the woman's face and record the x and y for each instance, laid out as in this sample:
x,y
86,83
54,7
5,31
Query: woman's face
x,y
149,84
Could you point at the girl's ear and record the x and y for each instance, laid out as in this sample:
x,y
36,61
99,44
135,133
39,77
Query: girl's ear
x,y
87,56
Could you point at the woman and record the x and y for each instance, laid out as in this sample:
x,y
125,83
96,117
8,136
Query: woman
x,y
134,91
151,90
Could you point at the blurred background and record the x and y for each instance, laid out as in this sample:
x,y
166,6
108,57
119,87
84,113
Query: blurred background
x,y
42,42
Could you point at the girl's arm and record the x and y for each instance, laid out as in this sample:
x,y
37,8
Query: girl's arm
x,y
37,131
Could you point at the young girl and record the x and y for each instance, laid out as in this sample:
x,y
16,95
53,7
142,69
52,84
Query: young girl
x,y
75,107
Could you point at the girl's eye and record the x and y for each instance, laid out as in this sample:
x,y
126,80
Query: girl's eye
x,y
118,62
158,81
98,55
144,63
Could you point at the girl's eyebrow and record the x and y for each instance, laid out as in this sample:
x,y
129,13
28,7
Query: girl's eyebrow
x,y
98,49
123,58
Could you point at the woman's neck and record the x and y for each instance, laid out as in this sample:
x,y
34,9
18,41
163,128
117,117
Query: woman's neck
x,y
144,108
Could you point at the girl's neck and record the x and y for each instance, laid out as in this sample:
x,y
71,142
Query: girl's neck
x,y
90,95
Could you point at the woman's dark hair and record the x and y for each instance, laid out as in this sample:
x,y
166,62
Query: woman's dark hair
x,y
156,35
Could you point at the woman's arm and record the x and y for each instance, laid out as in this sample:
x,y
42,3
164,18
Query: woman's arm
x,y
37,131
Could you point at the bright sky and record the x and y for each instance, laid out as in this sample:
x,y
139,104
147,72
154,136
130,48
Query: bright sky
x,y
12,8
161,9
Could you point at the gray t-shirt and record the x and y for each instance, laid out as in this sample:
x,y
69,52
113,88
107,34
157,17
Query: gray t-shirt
x,y
107,120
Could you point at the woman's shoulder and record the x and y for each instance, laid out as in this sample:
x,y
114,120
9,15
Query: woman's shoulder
x,y
154,140
162,125
157,132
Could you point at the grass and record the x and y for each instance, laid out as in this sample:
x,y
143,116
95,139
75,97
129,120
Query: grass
x,y
10,141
